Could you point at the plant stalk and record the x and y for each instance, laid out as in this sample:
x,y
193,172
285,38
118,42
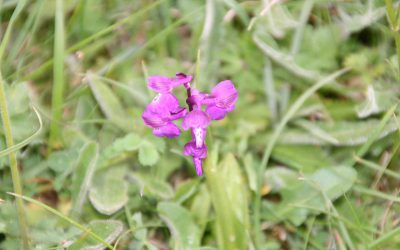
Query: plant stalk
x,y
393,17
58,71
13,166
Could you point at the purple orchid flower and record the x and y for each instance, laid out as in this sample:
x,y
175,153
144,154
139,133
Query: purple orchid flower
x,y
198,154
163,84
160,113
165,108
222,100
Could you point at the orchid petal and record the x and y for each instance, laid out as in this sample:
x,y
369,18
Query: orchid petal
x,y
196,119
160,84
190,149
225,93
170,130
216,113
198,166
181,78
155,116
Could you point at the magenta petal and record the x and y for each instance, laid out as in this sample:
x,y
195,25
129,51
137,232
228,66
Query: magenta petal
x,y
198,166
178,114
190,149
160,84
215,112
225,93
170,130
154,116
181,78
196,119
168,101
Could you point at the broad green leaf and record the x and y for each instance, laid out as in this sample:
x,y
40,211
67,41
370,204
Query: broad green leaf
x,y
83,175
109,103
200,207
345,132
305,158
109,230
131,142
230,202
279,178
185,232
185,190
313,193
119,147
61,161
153,186
148,154
315,42
109,191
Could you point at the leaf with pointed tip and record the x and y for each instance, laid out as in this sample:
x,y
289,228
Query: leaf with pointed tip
x,y
186,233
225,183
109,103
109,230
83,174
153,186
313,193
148,154
109,191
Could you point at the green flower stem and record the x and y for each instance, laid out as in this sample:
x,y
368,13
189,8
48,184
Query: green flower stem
x,y
394,22
58,84
8,132
13,165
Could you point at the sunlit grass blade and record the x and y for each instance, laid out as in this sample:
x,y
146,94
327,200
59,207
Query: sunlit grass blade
x,y
373,136
385,238
15,175
58,77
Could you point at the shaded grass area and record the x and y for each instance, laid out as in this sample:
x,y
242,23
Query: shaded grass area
x,y
308,159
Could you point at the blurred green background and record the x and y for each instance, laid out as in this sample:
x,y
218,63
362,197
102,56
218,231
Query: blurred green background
x,y
308,159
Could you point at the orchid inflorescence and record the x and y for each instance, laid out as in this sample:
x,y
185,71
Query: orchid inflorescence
x,y
164,109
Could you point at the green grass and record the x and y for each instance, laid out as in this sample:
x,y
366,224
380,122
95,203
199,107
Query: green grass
x,y
307,160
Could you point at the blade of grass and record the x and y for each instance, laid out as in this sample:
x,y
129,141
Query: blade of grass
x,y
134,50
374,135
394,26
377,167
15,175
79,45
374,193
58,76
209,41
66,218
384,238
25,142
273,139
298,35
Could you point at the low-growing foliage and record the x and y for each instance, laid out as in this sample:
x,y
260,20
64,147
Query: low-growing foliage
x,y
307,158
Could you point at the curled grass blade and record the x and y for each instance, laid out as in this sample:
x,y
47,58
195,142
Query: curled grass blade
x,y
27,140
